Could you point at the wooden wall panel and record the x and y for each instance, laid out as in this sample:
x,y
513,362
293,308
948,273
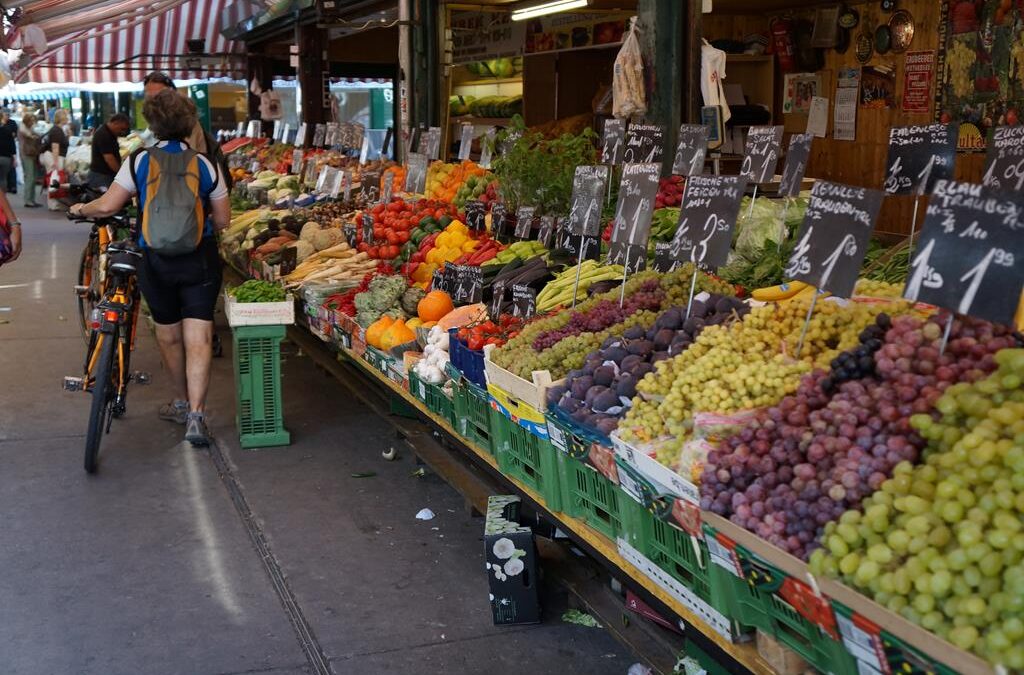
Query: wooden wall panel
x,y
860,162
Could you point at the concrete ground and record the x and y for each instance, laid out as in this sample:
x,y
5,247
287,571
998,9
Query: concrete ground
x,y
176,560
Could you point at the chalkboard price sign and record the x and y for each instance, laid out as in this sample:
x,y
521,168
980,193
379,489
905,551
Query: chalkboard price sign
x,y
416,173
761,155
438,281
632,227
367,228
349,230
797,156
289,258
498,217
706,219
476,215
497,298
524,301
1004,163
919,156
645,144
834,237
469,286
546,234
369,186
465,141
970,258
572,243
589,185
416,139
691,150
524,221
613,138
665,259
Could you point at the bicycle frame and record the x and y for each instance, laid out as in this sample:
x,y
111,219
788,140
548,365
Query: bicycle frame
x,y
118,308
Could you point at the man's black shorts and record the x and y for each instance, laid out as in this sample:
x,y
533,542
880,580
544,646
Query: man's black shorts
x,y
184,286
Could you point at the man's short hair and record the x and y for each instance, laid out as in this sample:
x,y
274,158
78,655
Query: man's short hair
x,y
170,115
121,118
160,78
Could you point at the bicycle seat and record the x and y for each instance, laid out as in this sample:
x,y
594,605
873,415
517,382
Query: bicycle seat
x,y
123,255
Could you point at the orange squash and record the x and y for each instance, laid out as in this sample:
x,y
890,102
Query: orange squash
x,y
434,306
463,316
397,334
376,329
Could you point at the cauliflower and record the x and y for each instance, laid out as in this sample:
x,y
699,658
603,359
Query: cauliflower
x,y
309,230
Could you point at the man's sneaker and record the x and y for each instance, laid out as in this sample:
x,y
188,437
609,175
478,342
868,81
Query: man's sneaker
x,y
196,432
175,411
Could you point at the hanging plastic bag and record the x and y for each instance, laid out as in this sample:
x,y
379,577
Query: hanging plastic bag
x,y
629,96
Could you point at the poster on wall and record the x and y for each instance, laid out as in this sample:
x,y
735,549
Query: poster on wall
x,y
798,90
478,36
918,74
980,67
878,86
574,31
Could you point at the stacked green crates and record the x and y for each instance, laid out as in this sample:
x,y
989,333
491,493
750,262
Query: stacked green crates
x,y
257,364
526,457
591,497
472,417
432,396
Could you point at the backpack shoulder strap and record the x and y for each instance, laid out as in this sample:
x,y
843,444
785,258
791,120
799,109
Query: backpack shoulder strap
x,y
133,166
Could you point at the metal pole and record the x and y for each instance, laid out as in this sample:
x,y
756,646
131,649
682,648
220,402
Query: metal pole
x,y
693,287
945,334
807,323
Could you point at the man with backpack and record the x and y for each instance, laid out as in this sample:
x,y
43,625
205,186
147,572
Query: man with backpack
x,y
182,201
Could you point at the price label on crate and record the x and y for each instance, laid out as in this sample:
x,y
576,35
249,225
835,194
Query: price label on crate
x,y
546,233
497,298
863,645
387,186
1004,162
487,144
589,185
797,157
723,556
645,144
631,486
367,228
633,212
969,256
498,214
476,215
690,150
369,186
416,173
919,156
524,221
761,155
834,237
710,206
465,141
524,301
613,138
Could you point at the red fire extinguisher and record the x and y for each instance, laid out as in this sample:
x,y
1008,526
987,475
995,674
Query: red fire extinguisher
x,y
782,43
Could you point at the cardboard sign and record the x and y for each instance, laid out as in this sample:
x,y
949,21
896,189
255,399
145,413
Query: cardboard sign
x,y
1004,163
919,156
691,150
498,217
387,186
369,186
632,228
645,144
476,215
546,234
524,221
497,299
487,147
613,138
524,301
319,135
706,219
834,237
797,157
367,228
970,258
416,173
761,155
589,185
465,141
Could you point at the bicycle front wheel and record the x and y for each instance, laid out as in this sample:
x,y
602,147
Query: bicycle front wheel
x,y
88,285
103,390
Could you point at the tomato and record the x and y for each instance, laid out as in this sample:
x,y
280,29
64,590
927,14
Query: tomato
x,y
378,232
463,334
395,206
493,340
377,210
362,246
373,252
393,251
476,342
439,213
488,327
391,237
403,236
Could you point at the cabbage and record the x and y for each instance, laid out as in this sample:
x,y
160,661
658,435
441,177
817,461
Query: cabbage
x,y
764,224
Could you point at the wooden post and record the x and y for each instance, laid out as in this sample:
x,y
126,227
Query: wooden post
x,y
661,41
312,42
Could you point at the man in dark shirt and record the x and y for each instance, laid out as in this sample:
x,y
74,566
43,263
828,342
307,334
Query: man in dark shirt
x,y
106,154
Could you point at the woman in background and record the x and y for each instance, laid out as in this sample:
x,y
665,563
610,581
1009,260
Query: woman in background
x,y
57,138
8,148
29,146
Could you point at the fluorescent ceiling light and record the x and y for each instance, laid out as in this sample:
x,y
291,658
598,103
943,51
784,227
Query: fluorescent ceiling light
x,y
547,8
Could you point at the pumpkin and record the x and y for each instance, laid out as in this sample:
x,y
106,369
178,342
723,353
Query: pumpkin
x,y
413,323
463,316
376,329
397,334
434,306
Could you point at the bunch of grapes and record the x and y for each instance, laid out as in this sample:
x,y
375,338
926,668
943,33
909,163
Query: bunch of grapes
x,y
604,314
803,463
942,543
858,362
878,289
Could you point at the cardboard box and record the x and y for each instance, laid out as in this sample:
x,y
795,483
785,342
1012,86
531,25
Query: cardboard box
x,y
259,313
782,659
511,560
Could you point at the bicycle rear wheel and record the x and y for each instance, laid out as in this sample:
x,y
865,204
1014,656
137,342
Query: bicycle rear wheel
x,y
89,281
103,390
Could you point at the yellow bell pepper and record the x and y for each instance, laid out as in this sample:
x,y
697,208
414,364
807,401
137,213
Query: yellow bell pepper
x,y
424,272
452,254
470,245
443,240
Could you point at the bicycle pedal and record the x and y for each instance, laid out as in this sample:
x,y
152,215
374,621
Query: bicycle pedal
x,y
141,377
80,289
73,384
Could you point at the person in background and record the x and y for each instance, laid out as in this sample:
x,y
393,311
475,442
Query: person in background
x,y
30,147
8,148
57,139
181,291
106,153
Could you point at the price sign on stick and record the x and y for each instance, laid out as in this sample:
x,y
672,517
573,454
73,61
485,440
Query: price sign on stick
x,y
498,213
487,147
645,144
1004,163
691,150
524,301
321,180
706,219
665,260
369,186
335,180
546,234
416,173
970,258
583,247
319,135
632,228
387,186
834,237
415,139
497,298
797,156
761,155
918,157
433,139
346,184
524,221
349,230
297,162
300,136
367,228
613,137
437,281
476,215
465,141
589,185
311,174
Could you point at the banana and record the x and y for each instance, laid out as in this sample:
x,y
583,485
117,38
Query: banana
x,y
783,291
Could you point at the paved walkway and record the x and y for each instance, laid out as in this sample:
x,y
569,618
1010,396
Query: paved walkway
x,y
174,560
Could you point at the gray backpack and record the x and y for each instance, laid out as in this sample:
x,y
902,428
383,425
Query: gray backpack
x,y
173,215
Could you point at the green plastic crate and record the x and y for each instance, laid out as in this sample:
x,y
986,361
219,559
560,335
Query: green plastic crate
x,y
472,417
432,396
257,364
674,551
899,656
378,359
589,496
527,457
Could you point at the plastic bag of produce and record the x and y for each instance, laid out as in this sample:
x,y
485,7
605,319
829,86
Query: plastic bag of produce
x,y
628,93
714,427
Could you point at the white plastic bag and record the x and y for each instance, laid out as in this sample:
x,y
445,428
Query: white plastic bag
x,y
629,95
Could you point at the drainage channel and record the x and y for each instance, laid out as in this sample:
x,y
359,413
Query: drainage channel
x,y
307,639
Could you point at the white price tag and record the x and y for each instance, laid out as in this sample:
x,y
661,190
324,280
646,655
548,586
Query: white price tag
x,y
557,437
721,556
858,643
630,486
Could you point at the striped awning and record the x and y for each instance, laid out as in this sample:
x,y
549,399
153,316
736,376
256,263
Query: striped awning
x,y
140,42
39,95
